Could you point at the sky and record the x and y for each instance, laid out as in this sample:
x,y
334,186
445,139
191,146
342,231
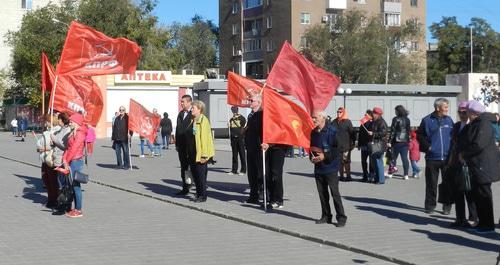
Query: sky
x,y
182,11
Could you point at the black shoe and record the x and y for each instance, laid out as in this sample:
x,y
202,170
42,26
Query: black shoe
x,y
339,224
50,205
324,220
348,179
183,192
446,209
460,224
252,201
200,199
341,179
429,211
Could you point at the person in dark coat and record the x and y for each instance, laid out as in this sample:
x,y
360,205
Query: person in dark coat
x,y
346,138
399,141
363,140
166,130
454,168
378,135
236,125
434,137
253,143
483,159
120,138
185,142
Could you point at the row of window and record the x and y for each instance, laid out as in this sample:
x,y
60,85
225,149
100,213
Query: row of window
x,y
27,4
412,2
247,4
253,45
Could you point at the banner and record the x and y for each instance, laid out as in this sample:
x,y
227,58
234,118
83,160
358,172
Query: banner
x,y
47,75
88,52
142,121
240,89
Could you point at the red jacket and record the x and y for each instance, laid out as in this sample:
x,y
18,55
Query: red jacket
x,y
76,143
414,150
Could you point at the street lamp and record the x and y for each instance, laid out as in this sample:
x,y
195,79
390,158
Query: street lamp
x,y
344,92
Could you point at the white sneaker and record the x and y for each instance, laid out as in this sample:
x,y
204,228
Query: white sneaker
x,y
242,174
416,175
230,173
389,176
406,177
141,156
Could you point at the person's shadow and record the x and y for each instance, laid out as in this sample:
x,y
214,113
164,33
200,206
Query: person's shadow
x,y
225,187
34,189
383,202
112,166
460,240
405,217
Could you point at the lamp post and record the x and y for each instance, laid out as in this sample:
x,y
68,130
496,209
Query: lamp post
x,y
344,93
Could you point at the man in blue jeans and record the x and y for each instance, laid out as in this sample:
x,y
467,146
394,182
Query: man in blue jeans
x,y
119,136
434,137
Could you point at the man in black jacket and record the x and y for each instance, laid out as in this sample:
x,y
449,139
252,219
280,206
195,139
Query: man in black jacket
x,y
120,139
184,141
363,140
253,142
236,125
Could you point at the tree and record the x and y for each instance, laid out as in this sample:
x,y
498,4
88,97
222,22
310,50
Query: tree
x,y
358,49
453,52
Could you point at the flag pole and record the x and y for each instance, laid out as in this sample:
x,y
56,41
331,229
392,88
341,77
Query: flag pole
x,y
43,102
52,95
264,178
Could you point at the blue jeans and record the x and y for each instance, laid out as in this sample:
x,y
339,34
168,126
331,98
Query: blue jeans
x,y
119,146
415,167
149,146
14,130
75,166
379,167
166,139
401,149
157,149
302,152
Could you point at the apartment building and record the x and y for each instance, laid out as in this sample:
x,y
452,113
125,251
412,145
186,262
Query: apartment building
x,y
268,23
12,13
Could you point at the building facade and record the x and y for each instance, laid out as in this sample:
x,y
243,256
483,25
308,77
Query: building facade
x,y
12,13
268,23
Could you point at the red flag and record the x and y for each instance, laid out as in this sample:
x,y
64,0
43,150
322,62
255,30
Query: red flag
x,y
89,52
143,122
365,119
240,89
297,76
78,94
284,122
48,75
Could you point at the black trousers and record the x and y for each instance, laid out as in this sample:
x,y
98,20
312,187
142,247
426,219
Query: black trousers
x,y
323,181
432,169
200,179
275,159
255,172
482,196
186,163
459,197
238,148
366,163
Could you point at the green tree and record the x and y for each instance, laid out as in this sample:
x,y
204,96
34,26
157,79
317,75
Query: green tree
x,y
357,48
453,52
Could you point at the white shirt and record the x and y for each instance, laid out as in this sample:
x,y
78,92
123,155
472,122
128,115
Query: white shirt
x,y
13,123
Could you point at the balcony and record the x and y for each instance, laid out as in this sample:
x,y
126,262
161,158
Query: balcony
x,y
392,6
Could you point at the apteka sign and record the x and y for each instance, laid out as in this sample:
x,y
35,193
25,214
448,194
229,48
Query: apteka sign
x,y
145,77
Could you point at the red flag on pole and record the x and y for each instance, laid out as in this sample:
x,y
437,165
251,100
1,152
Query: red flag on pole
x,y
78,94
297,76
284,122
365,119
240,89
142,121
89,52
48,75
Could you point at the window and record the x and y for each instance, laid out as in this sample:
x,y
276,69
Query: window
x,y
305,18
268,2
303,42
362,2
27,4
236,29
414,2
235,51
414,46
251,3
252,45
392,19
236,7
270,46
269,22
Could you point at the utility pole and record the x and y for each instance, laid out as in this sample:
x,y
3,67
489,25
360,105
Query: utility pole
x,y
242,66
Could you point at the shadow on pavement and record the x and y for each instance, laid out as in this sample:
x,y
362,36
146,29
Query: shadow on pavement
x,y
383,202
112,166
34,189
223,186
310,175
279,211
219,169
459,240
408,218
160,189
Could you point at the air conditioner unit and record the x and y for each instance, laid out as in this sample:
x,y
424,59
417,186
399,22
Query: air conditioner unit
x,y
239,53
325,19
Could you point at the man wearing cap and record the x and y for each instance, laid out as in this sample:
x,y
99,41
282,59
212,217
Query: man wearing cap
x,y
236,125
483,159
120,139
453,172
434,137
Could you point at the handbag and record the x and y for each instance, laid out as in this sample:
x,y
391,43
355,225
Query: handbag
x,y
375,147
81,177
65,196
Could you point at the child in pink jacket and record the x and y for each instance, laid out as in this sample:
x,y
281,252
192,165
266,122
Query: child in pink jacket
x,y
414,153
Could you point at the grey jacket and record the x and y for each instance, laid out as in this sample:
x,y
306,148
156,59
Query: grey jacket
x,y
60,142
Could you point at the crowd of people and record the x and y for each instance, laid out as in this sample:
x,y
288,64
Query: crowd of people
x,y
465,154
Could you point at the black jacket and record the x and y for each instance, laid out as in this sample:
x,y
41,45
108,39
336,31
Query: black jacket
x,y
363,137
346,135
379,129
480,152
400,130
120,129
166,126
253,132
184,137
236,125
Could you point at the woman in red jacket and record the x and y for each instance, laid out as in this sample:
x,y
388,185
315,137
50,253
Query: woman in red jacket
x,y
73,158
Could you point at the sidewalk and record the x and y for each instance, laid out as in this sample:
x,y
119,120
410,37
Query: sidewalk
x,y
384,221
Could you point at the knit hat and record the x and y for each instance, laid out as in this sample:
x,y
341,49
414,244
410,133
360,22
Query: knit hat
x,y
475,107
378,111
463,105
77,118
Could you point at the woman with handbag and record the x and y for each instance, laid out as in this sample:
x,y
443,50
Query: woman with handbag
x,y
378,144
205,150
73,158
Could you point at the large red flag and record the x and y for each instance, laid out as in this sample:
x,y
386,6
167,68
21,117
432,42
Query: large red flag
x,y
142,121
48,75
89,52
240,89
284,122
297,76
78,94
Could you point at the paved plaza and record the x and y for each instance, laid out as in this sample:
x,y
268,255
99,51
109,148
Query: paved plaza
x,y
134,217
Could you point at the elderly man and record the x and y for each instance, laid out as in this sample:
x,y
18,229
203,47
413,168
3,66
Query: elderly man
x,y
483,159
120,137
326,158
434,137
253,143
